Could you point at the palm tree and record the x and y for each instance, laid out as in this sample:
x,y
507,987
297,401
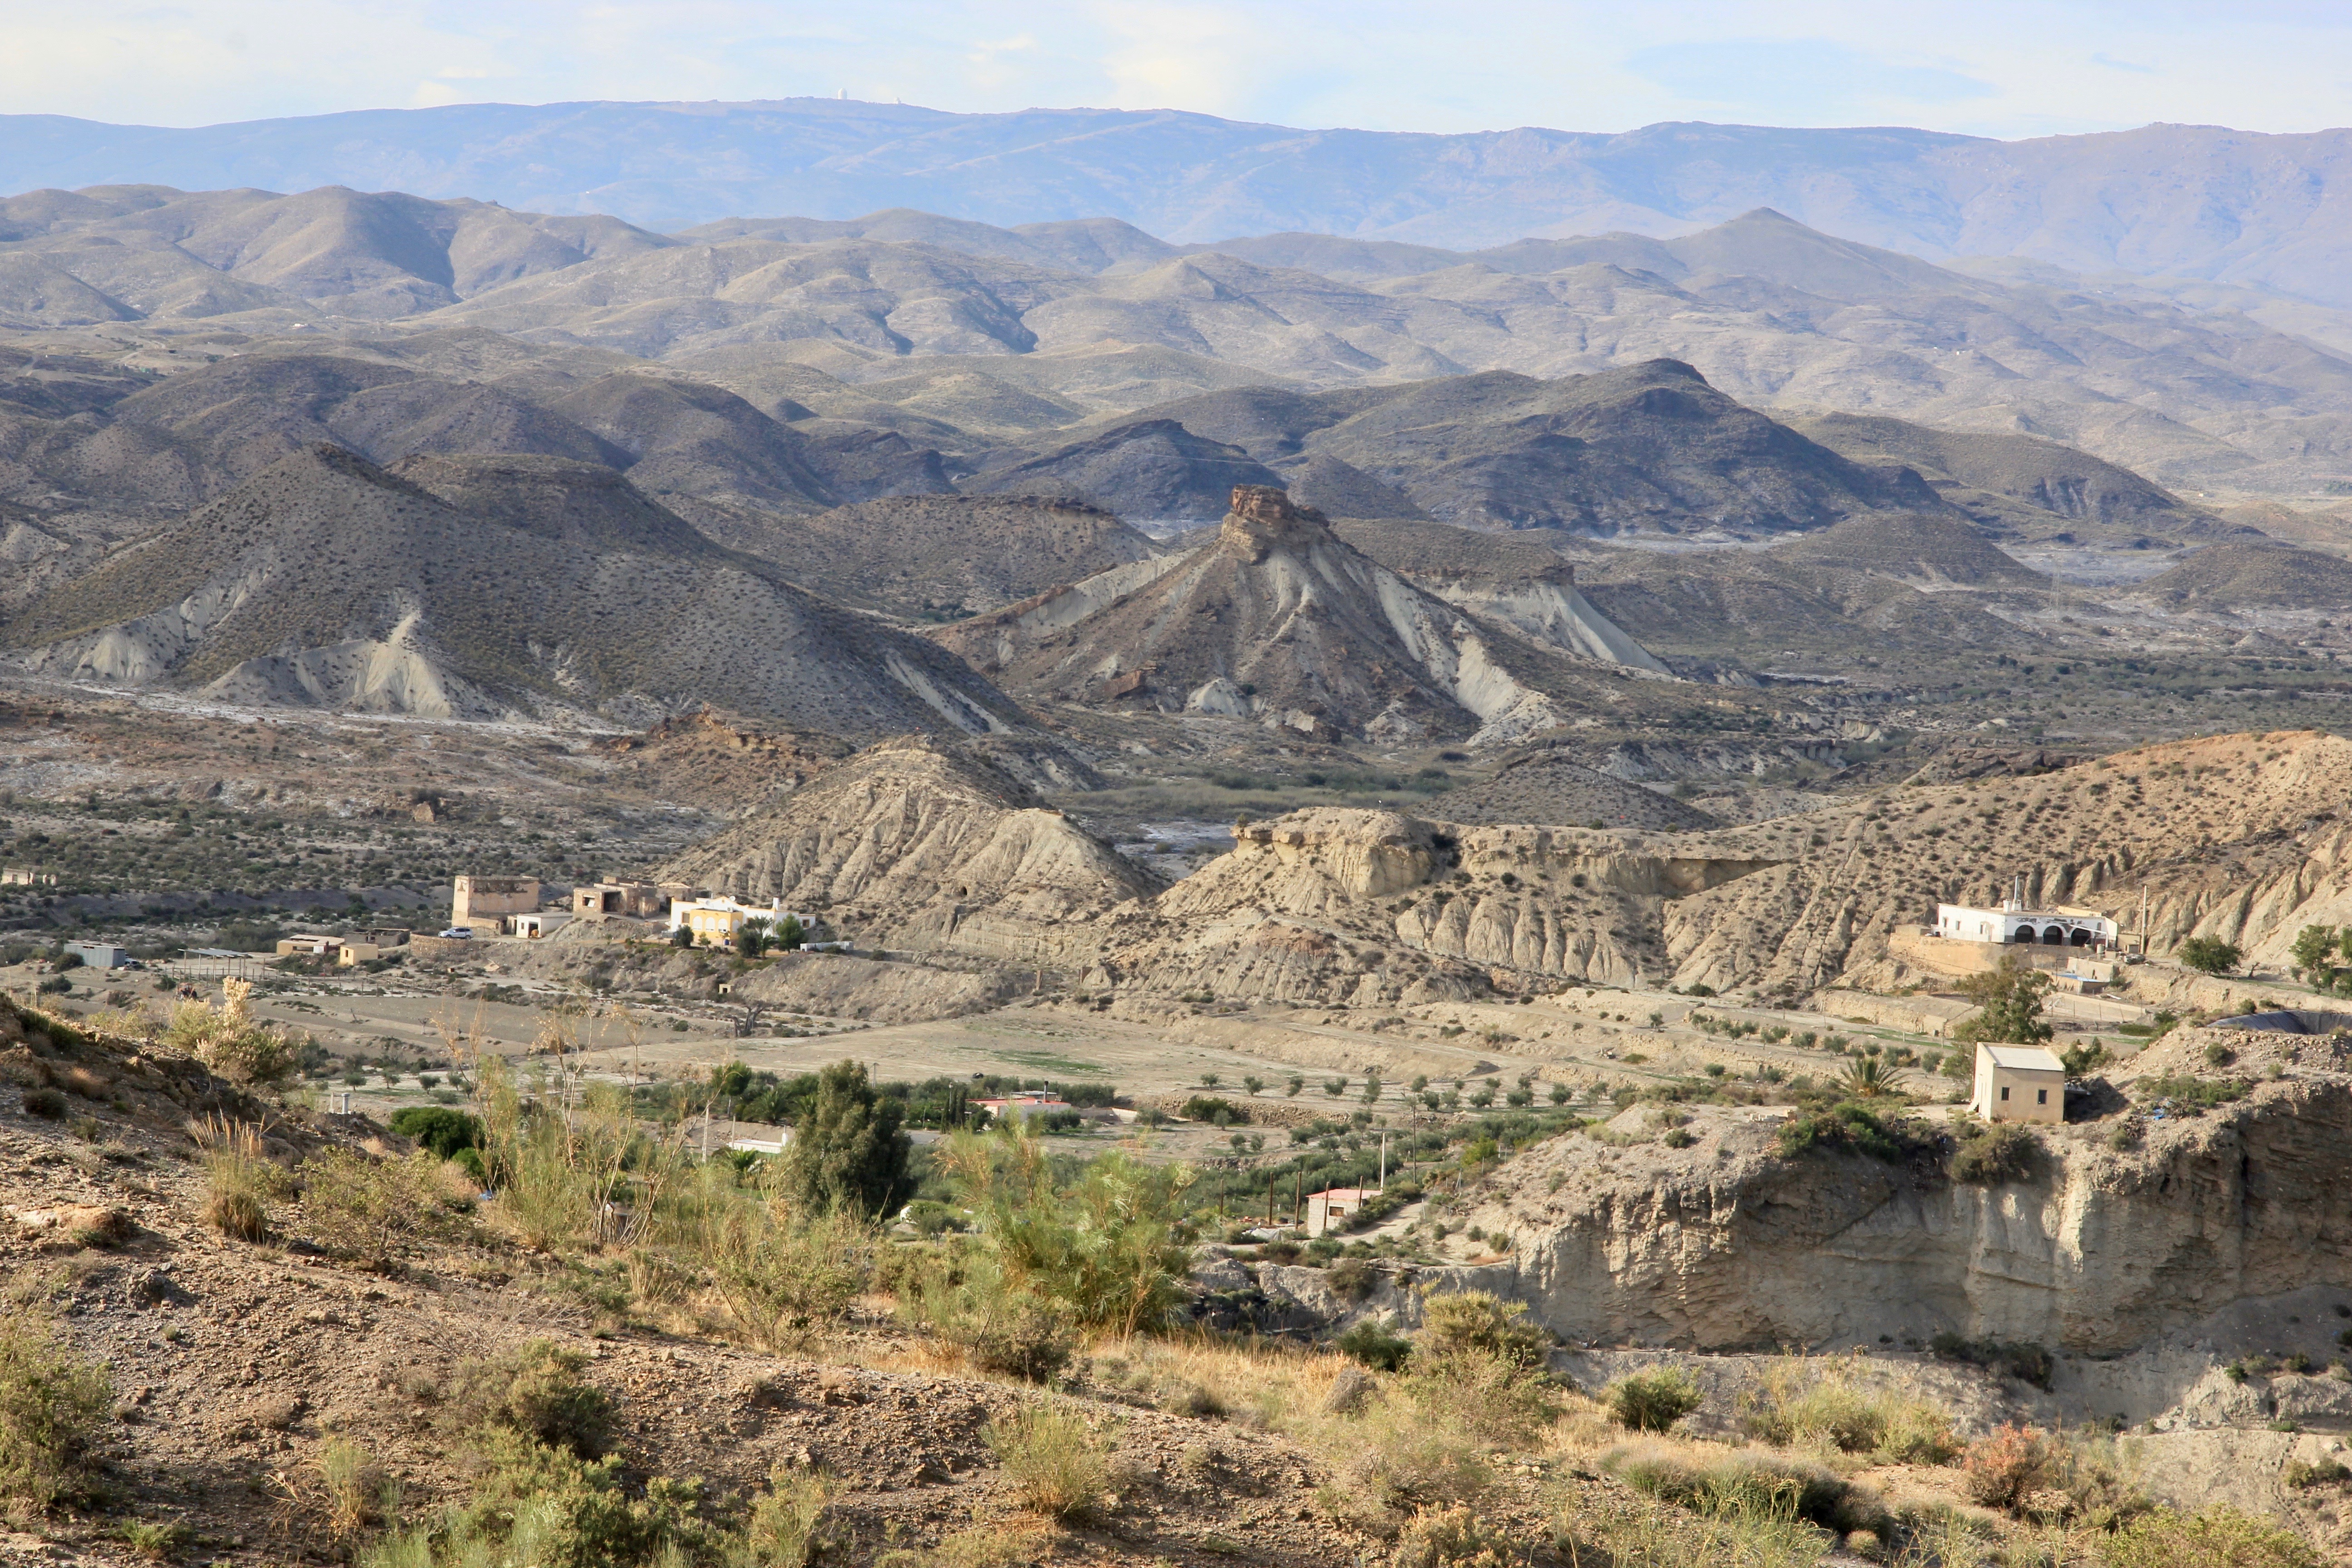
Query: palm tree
x,y
1870,1077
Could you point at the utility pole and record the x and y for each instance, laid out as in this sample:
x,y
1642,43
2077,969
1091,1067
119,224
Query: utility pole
x,y
1384,1159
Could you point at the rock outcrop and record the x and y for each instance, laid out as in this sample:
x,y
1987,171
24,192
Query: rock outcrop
x,y
1726,1243
1280,620
917,846
1371,906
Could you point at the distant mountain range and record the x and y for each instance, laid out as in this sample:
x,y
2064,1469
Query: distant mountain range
x,y
2192,202
902,330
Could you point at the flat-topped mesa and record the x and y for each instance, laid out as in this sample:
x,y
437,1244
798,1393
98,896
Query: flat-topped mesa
x,y
1263,518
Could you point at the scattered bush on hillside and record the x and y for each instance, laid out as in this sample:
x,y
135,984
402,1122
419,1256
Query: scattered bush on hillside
x,y
1374,1346
534,1389
2191,1094
1848,1128
1054,1464
779,1278
438,1129
2010,1465
1992,1154
785,1528
53,1403
364,1208
1211,1109
1749,1487
1109,1247
46,1103
1452,1538
1479,1364
229,1041
1652,1401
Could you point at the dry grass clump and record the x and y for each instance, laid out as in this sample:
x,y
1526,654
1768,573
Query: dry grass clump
x,y
785,1528
241,1180
2213,1538
1592,1526
1054,1461
1827,1405
2049,1479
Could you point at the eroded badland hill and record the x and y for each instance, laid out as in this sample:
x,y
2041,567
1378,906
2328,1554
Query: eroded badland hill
x,y
551,806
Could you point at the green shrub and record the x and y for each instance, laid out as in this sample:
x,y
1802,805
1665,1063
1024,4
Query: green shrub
x,y
46,1103
848,1153
1848,1128
1353,1278
1211,1108
1652,1401
2209,954
1374,1346
1992,1154
2189,1093
781,1278
2319,1473
438,1129
1476,1321
1453,1538
1055,1465
534,1389
1802,1401
52,1404
2216,1537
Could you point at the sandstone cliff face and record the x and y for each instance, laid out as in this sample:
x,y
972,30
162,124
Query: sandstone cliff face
x,y
912,845
1732,1246
1726,1245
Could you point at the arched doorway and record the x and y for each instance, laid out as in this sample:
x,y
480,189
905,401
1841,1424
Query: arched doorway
x,y
2054,937
2024,934
2079,938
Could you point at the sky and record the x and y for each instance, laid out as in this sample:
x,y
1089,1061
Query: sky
x,y
1993,68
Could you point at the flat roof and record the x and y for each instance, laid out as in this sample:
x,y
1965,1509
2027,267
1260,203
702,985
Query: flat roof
x,y
2028,1058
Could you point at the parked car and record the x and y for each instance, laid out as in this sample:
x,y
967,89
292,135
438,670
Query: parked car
x,y
460,931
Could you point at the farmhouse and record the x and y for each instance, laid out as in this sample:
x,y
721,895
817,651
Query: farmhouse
x,y
2018,1083
2014,922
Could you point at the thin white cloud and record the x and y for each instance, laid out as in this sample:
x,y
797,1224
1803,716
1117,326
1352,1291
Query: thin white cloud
x,y
1996,66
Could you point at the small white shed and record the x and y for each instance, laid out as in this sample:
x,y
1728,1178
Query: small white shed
x,y
2018,1083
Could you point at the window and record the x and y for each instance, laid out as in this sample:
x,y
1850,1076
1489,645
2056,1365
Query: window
x,y
2005,1092
2041,1097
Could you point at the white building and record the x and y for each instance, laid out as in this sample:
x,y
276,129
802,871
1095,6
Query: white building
x,y
2013,923
2018,1083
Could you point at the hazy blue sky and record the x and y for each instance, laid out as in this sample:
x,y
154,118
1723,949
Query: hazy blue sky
x,y
1990,67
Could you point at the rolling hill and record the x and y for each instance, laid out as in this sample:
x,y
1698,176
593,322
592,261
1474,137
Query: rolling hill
x,y
477,587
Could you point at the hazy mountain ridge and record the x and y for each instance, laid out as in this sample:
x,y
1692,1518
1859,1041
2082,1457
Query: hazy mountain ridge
x,y
951,327
2191,201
